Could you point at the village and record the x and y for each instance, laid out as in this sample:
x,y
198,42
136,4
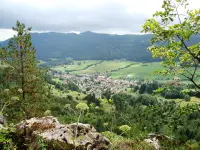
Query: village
x,y
95,83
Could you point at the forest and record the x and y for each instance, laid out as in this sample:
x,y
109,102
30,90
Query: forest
x,y
94,46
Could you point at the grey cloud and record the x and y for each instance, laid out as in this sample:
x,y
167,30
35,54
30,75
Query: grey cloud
x,y
107,17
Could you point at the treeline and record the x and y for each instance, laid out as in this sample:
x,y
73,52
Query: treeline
x,y
69,85
94,46
184,91
89,45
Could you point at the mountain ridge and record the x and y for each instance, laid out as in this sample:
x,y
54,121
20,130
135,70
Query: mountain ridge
x,y
90,45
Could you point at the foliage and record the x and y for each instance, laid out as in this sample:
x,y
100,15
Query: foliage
x,y
6,135
47,113
23,84
42,144
171,40
89,45
187,97
125,128
111,136
121,101
82,106
63,86
92,99
142,88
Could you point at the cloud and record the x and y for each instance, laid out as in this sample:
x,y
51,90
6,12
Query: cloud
x,y
107,16
6,34
76,15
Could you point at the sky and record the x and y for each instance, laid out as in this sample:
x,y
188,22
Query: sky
x,y
101,16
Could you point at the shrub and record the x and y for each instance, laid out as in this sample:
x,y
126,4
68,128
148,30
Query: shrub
x,y
125,128
187,97
142,88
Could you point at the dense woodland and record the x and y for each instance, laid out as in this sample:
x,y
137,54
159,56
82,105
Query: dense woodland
x,y
89,45
28,89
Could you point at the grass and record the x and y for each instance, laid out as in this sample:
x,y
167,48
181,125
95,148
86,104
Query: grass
x,y
194,100
74,94
136,70
182,102
57,80
104,67
117,69
78,65
139,70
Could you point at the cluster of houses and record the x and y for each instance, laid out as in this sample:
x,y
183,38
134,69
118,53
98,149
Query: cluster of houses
x,y
96,83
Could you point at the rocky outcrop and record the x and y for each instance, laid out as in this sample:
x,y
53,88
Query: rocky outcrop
x,y
61,136
153,139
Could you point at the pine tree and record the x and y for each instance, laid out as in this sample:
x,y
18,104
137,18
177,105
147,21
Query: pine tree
x,y
24,79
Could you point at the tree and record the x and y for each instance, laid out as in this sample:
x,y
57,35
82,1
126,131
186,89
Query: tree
x,y
172,30
25,80
142,88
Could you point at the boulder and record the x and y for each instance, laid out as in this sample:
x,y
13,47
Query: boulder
x,y
154,142
61,136
153,139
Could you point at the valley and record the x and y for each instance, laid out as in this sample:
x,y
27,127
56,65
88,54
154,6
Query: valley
x,y
100,75
112,68
116,76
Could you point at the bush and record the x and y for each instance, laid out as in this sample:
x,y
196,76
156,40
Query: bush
x,y
187,97
136,88
146,99
142,88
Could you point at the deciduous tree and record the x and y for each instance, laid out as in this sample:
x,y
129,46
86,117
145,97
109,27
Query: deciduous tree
x,y
173,27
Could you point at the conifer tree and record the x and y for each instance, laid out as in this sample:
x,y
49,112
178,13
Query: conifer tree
x,y
24,79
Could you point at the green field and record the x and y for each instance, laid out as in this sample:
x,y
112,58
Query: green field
x,y
78,65
194,100
116,69
105,66
139,70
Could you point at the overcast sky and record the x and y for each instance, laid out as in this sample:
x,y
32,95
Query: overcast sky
x,y
103,16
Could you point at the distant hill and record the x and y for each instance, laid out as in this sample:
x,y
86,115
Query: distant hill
x,y
89,45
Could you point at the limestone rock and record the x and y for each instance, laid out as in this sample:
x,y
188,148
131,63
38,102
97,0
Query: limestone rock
x,y
154,142
62,136
153,139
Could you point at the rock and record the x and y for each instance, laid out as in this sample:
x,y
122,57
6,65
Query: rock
x,y
61,136
2,120
153,139
1,127
154,142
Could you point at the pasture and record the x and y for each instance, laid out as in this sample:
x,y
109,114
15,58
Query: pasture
x,y
116,69
76,66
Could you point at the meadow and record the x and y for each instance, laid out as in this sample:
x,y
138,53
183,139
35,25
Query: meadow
x,y
117,69
104,67
76,66
114,69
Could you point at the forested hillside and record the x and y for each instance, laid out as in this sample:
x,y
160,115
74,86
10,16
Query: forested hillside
x,y
89,45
